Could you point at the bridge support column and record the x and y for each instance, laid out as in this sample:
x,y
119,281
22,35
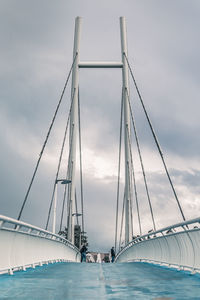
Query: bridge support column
x,y
73,130
125,76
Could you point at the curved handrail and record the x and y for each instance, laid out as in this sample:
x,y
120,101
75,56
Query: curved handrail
x,y
161,231
19,225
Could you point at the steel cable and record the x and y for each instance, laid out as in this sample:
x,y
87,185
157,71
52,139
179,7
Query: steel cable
x,y
155,139
47,137
141,163
130,199
65,190
119,168
59,162
135,187
80,159
122,221
76,207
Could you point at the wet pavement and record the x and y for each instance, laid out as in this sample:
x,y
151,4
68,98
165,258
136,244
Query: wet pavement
x,y
100,281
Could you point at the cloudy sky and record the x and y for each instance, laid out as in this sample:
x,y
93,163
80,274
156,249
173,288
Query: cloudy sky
x,y
36,43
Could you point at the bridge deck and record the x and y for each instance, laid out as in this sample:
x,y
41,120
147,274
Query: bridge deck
x,y
100,281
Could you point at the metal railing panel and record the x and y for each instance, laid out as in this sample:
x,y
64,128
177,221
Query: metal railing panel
x,y
26,245
177,245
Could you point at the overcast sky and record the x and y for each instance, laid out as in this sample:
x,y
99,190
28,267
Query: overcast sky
x,y
36,44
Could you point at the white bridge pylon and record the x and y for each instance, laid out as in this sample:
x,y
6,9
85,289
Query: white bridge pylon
x,y
74,119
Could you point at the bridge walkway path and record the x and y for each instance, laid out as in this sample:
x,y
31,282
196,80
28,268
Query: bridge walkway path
x,y
100,281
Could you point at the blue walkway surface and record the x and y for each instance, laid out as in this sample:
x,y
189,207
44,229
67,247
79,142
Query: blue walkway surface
x,y
100,281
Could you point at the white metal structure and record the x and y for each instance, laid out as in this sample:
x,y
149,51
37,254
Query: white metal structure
x,y
125,91
63,181
23,245
74,120
73,129
177,245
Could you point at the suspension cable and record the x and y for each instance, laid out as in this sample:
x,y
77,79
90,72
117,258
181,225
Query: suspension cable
x,y
70,171
155,139
134,184
47,137
119,168
130,200
59,162
69,208
80,159
63,207
122,221
76,207
67,191
141,162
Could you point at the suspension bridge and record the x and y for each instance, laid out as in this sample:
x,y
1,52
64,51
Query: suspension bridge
x,y
26,246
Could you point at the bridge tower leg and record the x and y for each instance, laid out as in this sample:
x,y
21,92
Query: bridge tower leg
x,y
125,76
73,130
74,125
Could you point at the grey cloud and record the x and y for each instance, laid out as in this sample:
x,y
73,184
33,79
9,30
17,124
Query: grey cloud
x,y
35,54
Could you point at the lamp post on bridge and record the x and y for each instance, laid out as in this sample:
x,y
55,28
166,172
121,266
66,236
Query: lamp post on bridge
x,y
63,181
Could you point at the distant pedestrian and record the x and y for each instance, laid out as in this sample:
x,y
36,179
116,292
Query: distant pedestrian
x,y
83,253
112,252
99,258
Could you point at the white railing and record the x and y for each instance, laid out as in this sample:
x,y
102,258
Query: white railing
x,y
177,245
23,245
